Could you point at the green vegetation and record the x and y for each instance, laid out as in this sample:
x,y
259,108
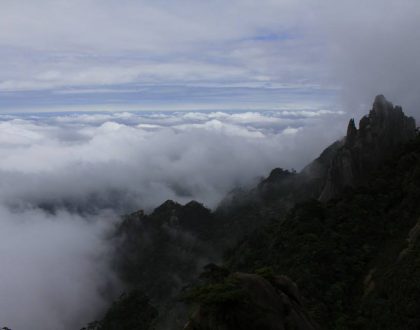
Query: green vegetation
x,y
350,256
217,294
218,288
130,312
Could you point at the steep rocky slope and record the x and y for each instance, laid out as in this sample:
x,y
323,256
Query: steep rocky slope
x,y
355,258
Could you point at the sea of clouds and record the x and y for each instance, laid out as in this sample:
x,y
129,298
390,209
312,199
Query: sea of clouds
x,y
65,178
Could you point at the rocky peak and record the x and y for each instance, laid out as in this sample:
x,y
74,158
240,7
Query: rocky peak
x,y
351,133
386,125
165,211
385,122
381,104
278,174
380,133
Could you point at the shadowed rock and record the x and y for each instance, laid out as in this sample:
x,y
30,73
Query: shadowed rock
x,y
270,304
380,133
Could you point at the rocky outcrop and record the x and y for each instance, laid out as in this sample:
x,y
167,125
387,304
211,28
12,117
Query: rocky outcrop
x,y
347,162
267,303
380,133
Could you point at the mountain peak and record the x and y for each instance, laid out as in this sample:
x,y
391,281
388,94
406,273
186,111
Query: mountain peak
x,y
380,133
351,132
380,103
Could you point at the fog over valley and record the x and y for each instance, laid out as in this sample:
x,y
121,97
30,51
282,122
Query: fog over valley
x,y
66,178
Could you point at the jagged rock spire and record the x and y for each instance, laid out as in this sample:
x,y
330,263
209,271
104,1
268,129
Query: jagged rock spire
x,y
381,103
380,133
351,133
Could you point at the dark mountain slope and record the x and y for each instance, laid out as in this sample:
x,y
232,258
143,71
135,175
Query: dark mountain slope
x,y
345,163
380,134
247,301
355,258
160,252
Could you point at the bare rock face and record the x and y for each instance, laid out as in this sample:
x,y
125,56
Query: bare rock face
x,y
273,304
380,133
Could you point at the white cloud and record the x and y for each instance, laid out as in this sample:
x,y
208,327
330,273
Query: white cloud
x,y
128,160
50,44
54,269
130,25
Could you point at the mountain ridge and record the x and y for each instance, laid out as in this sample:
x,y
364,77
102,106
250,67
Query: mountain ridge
x,y
283,221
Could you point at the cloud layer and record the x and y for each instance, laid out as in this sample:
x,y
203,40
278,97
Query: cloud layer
x,y
113,42
65,178
55,272
126,160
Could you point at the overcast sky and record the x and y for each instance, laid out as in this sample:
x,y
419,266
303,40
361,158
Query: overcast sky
x,y
189,54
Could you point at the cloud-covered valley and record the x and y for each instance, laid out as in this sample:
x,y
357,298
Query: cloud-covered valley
x,y
125,161
65,178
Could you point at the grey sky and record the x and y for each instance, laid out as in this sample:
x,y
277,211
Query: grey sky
x,y
104,53
124,55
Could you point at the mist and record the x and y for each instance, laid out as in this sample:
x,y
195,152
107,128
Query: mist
x,y
55,272
372,48
66,178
